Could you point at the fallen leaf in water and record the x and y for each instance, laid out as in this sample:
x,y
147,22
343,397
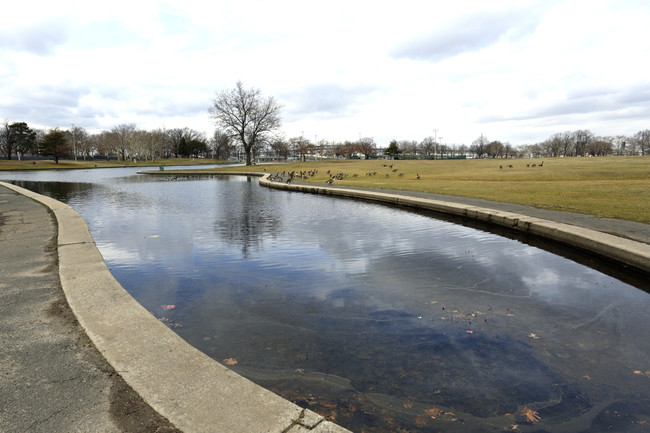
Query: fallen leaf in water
x,y
408,405
230,361
421,421
433,412
638,372
328,404
586,376
530,415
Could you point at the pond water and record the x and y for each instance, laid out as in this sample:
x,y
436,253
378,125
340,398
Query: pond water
x,y
379,318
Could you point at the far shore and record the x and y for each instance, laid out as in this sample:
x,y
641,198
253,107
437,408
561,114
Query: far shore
x,y
605,187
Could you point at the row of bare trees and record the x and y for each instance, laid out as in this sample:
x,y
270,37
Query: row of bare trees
x,y
584,142
570,143
124,141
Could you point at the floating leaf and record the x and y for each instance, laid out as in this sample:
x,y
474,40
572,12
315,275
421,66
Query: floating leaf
x,y
433,412
421,421
530,415
230,361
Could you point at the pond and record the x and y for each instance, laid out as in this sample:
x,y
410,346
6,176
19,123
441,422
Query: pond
x,y
379,318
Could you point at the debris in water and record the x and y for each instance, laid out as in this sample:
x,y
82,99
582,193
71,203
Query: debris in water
x,y
230,361
530,415
168,307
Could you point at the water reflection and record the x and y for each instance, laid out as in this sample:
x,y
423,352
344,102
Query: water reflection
x,y
249,219
381,319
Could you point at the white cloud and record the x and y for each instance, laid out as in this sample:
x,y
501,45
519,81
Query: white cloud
x,y
516,71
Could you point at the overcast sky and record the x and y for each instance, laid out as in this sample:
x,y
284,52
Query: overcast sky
x,y
515,71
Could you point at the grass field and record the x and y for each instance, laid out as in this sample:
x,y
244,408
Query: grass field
x,y
66,165
613,187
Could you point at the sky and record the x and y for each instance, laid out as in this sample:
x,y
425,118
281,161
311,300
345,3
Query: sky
x,y
515,71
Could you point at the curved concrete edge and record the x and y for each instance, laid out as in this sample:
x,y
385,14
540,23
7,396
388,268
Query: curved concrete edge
x,y
626,251
193,391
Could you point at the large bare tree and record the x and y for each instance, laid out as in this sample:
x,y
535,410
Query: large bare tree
x,y
246,115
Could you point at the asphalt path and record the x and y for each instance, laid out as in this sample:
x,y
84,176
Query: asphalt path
x,y
52,379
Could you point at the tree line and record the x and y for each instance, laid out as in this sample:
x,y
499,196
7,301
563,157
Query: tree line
x,y
570,143
124,142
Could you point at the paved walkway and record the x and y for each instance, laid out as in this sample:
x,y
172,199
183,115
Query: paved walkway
x,y
52,379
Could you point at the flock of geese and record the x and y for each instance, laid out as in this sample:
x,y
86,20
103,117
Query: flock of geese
x,y
289,176
541,164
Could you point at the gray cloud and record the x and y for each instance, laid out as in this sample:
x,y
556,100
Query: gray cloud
x,y
37,38
325,100
470,32
607,103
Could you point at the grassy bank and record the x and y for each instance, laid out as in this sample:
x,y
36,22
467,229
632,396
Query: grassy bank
x,y
613,187
66,165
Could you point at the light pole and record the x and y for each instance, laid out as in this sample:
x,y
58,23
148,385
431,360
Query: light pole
x,y
435,142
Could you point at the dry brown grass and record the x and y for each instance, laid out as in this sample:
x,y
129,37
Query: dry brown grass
x,y
613,187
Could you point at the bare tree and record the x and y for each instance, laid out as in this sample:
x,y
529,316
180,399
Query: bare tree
x,y
302,146
642,139
106,143
479,146
494,149
124,137
222,145
428,146
582,140
408,147
345,149
367,146
246,116
6,140
77,136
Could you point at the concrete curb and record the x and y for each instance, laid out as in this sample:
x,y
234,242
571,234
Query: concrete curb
x,y
193,391
625,251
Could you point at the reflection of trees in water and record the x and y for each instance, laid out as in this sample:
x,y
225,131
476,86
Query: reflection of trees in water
x,y
249,219
62,191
